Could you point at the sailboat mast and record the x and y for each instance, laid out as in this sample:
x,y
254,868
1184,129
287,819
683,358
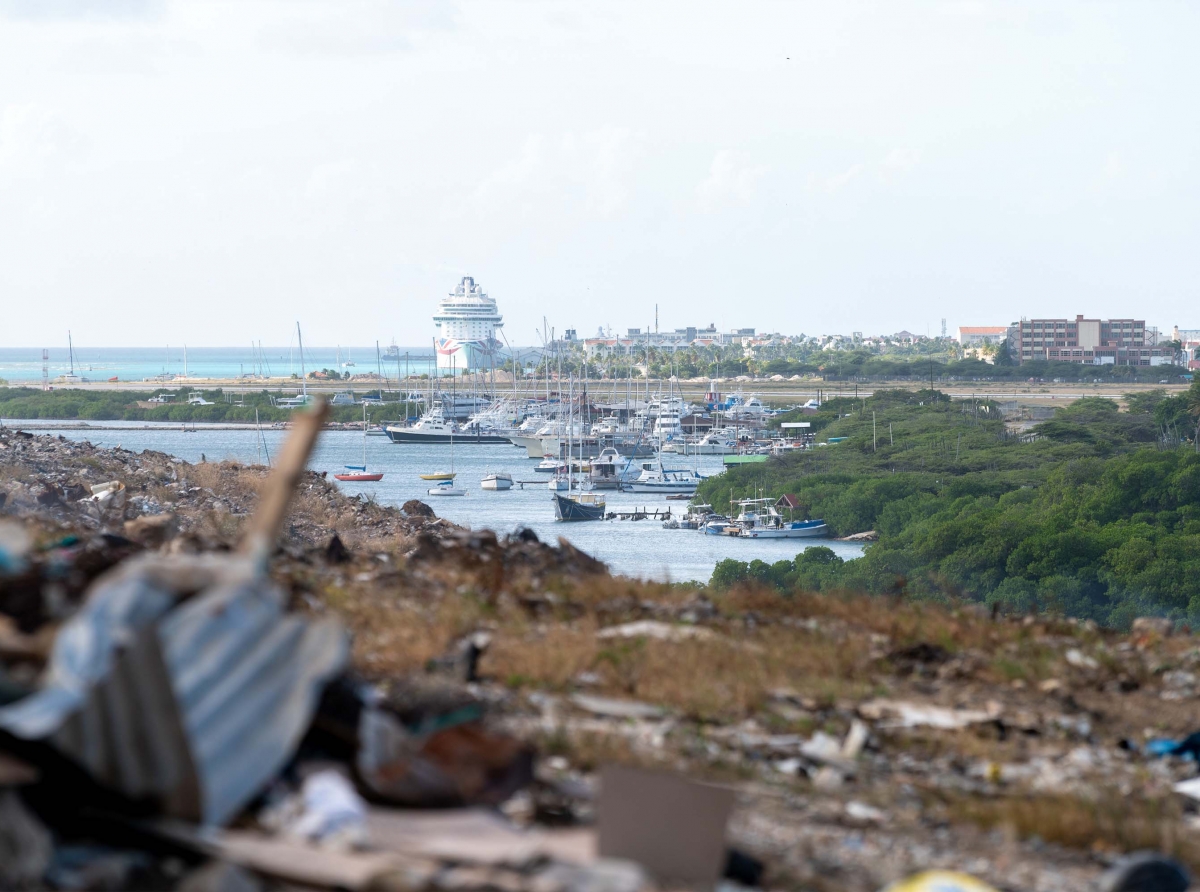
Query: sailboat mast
x,y
300,342
71,350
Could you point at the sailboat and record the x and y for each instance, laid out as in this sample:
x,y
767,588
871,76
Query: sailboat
x,y
445,476
575,506
358,473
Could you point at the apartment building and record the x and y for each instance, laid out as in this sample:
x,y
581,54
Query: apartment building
x,y
1088,342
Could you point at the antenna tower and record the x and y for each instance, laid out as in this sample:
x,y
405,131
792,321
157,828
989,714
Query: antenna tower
x,y
943,328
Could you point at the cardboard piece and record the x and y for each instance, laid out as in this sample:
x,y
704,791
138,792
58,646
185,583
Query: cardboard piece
x,y
673,827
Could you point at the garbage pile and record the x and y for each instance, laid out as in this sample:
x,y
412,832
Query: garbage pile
x,y
214,678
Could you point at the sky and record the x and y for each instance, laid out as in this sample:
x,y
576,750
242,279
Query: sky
x,y
212,172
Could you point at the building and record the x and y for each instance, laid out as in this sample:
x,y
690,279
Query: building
x,y
1088,342
467,320
978,335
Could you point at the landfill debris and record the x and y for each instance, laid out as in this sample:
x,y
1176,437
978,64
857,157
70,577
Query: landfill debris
x,y
466,654
1146,872
657,630
904,714
673,827
940,881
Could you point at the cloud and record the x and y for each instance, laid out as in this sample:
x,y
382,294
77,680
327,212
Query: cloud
x,y
839,181
1113,165
34,139
362,28
579,171
729,178
48,10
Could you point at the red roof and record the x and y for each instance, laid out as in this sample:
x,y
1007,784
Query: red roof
x,y
788,501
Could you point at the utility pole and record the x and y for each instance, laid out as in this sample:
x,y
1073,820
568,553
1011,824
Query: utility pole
x,y
874,440
45,369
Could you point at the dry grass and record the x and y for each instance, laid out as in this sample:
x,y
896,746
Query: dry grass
x,y
1110,823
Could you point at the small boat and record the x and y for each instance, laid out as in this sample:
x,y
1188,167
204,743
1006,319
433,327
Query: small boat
x,y
655,478
678,497
498,481
439,475
548,465
359,473
446,488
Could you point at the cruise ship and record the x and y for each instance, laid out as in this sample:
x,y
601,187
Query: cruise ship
x,y
467,319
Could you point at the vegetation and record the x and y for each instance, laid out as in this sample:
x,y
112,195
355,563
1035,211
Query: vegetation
x,y
1093,514
110,405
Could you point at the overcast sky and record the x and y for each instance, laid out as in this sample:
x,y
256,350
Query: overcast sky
x,y
209,172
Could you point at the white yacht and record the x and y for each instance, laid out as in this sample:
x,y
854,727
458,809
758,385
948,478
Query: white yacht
x,y
467,320
655,478
498,481
722,442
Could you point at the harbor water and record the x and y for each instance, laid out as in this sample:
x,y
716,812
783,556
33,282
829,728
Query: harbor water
x,y
633,548
24,365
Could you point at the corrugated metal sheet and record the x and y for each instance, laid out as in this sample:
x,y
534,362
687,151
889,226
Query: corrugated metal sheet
x,y
196,704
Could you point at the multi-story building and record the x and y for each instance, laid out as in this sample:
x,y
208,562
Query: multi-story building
x,y
1088,342
978,335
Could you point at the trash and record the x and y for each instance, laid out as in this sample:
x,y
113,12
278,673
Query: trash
x,y
14,547
1080,660
905,714
674,828
1188,748
458,763
105,497
332,813
861,814
1189,788
616,709
939,881
658,630
151,530
1146,872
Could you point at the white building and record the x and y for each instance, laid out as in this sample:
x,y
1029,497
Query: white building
x,y
978,335
467,321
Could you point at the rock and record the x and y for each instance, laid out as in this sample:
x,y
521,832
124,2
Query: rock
x,y
1080,660
336,551
417,508
1146,872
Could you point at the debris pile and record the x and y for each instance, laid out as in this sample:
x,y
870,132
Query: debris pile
x,y
203,687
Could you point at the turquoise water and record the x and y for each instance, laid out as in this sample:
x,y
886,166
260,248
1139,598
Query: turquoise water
x,y
642,549
24,365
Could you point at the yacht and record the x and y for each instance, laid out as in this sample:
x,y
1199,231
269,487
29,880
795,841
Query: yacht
x,y
722,442
435,427
655,478
610,469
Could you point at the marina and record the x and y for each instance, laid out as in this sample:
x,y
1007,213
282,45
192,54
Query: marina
x,y
638,548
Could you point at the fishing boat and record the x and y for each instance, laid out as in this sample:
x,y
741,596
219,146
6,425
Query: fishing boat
x,y
497,481
446,488
759,519
359,473
718,525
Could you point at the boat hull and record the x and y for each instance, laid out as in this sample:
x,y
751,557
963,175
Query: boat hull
x,y
496,484
796,532
358,478
661,488
402,435
569,510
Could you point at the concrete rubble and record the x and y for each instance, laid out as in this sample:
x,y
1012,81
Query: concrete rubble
x,y
379,699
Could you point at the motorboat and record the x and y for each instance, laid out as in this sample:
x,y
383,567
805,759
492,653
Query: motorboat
x,y
610,469
654,478
498,481
696,517
717,525
548,465
721,442
446,488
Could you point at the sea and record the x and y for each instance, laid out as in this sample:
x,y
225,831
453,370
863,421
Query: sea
x,y
24,365
642,549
